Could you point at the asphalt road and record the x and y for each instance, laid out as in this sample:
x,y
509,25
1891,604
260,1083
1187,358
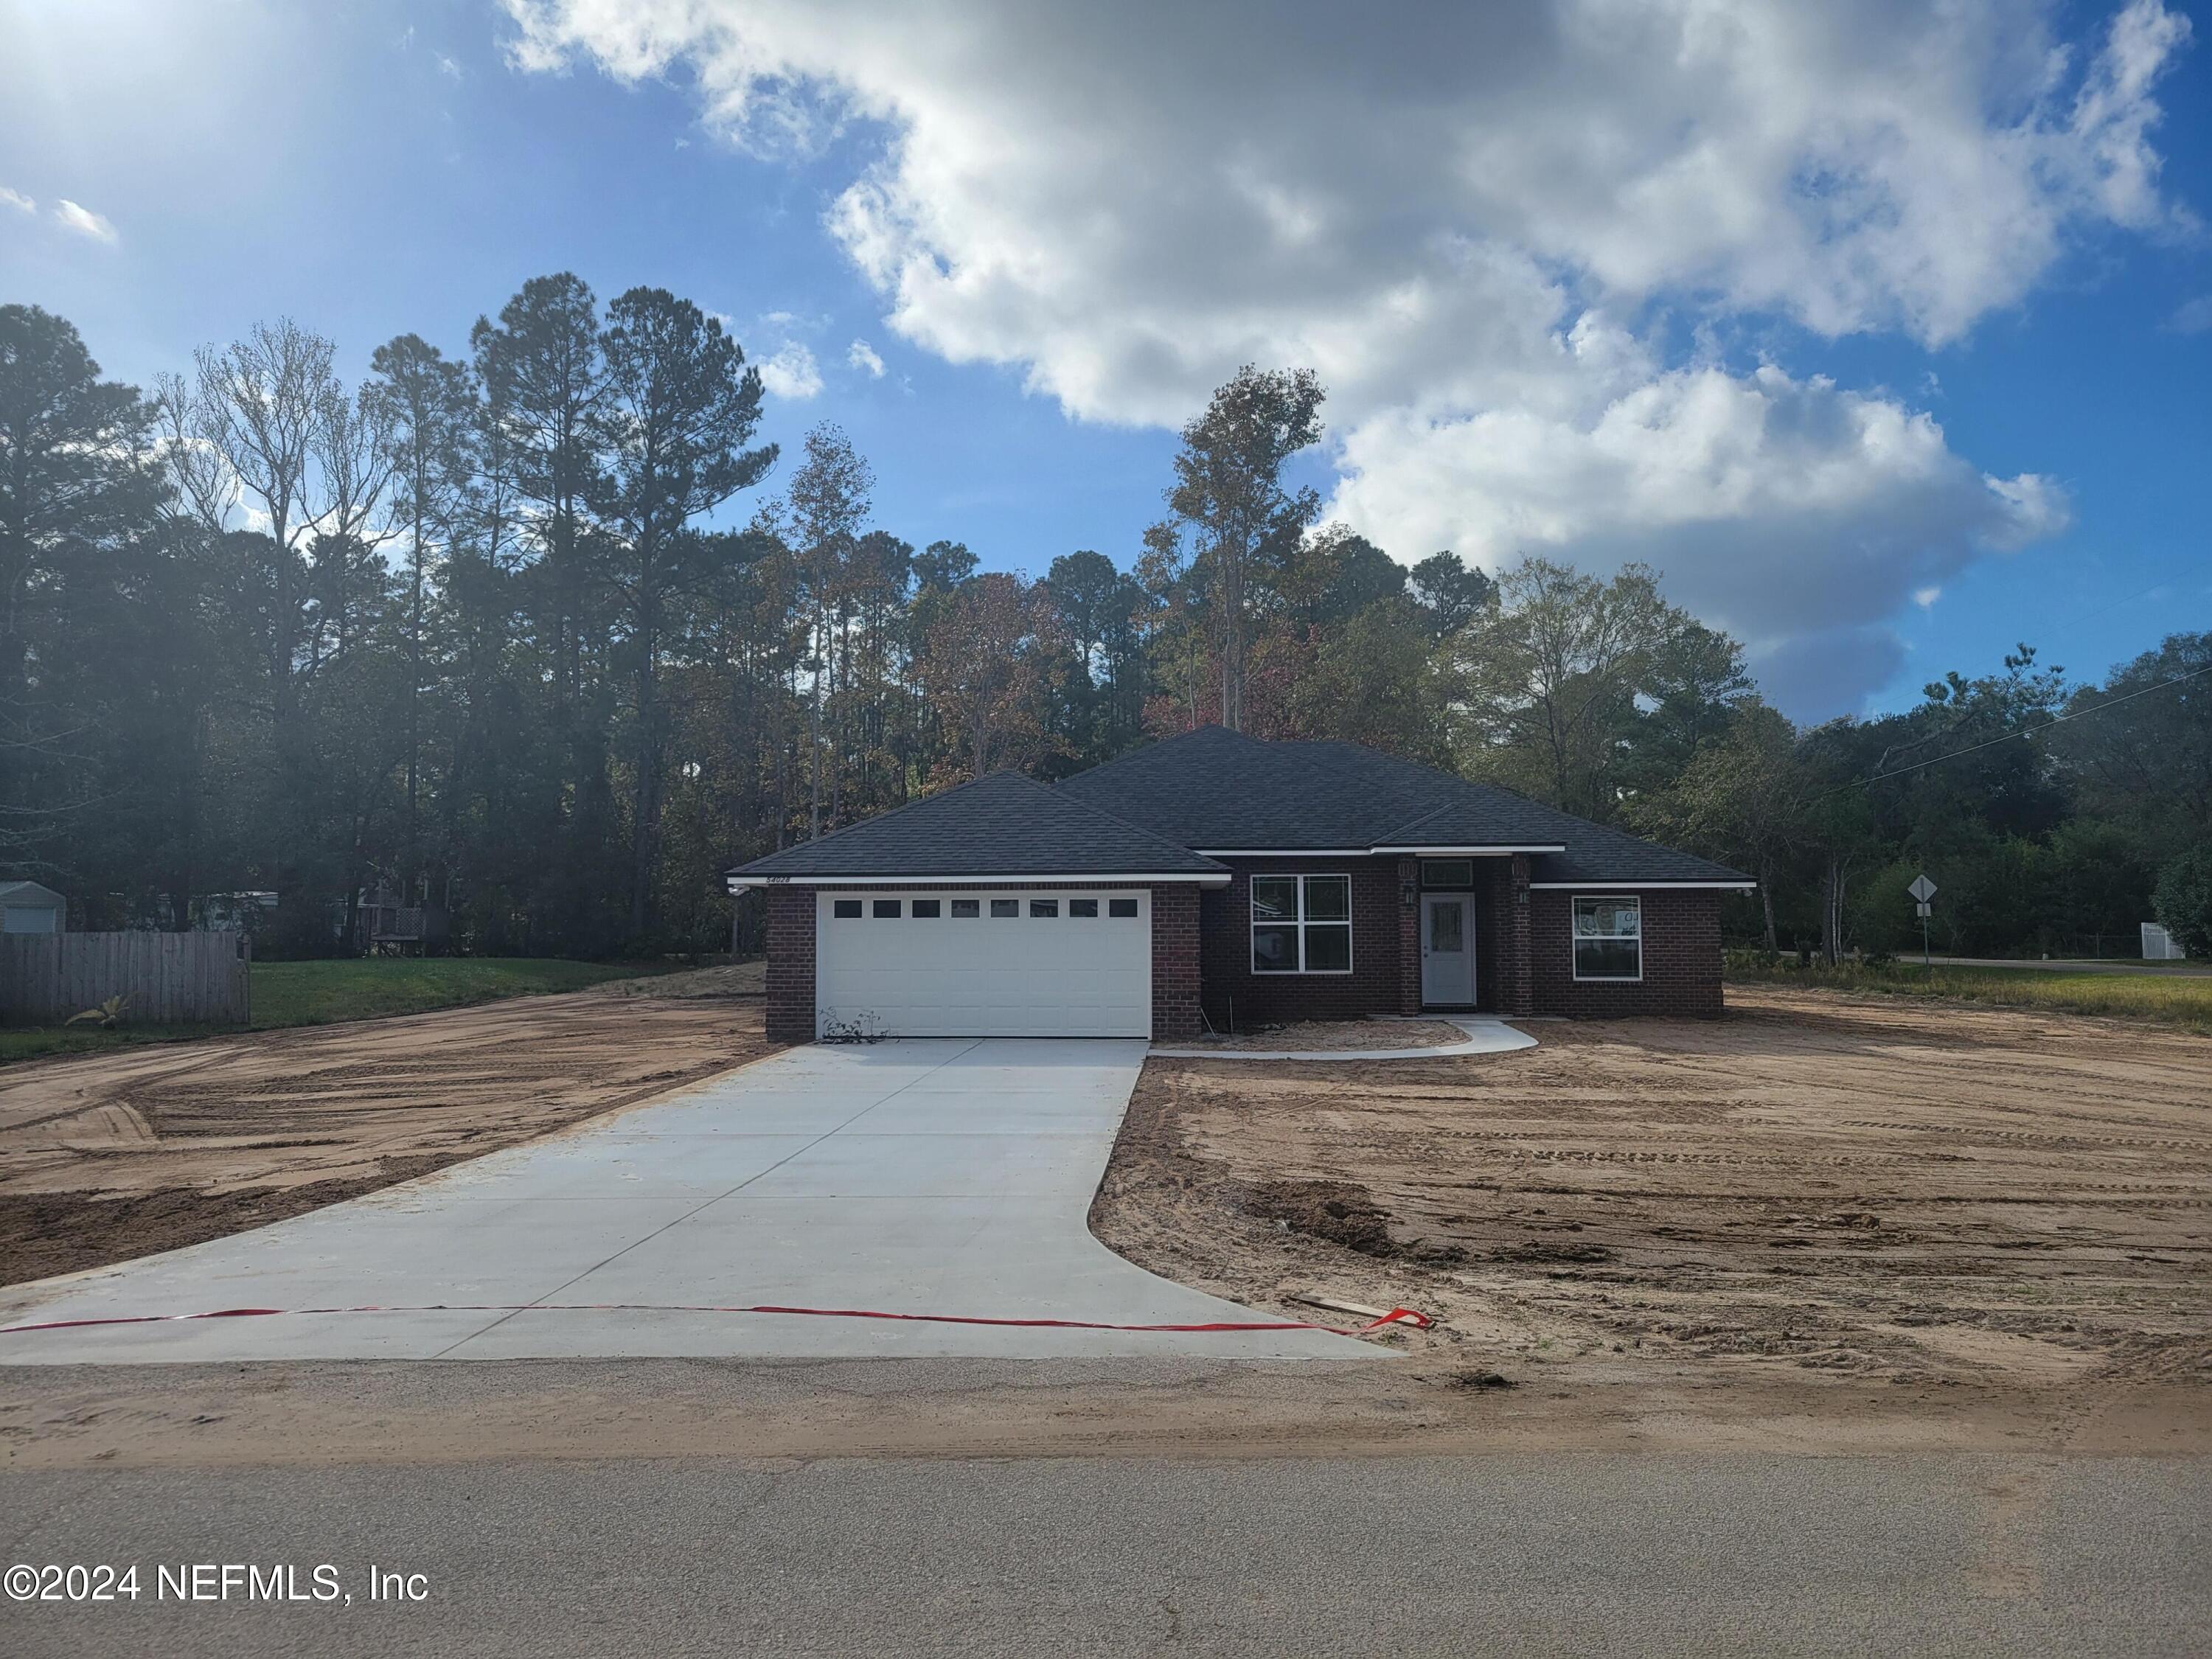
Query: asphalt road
x,y
1574,1554
2184,970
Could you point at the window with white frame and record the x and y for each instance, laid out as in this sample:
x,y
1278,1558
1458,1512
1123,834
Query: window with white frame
x,y
1608,938
1301,924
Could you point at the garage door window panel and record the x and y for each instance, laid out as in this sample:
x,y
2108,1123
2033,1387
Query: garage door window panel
x,y
845,909
1302,924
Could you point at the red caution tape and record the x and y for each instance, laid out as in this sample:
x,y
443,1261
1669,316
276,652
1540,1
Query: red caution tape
x,y
1420,1321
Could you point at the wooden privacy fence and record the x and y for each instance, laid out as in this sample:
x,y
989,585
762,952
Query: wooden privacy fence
x,y
163,978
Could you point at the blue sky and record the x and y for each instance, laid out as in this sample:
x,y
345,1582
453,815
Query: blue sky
x,y
1541,346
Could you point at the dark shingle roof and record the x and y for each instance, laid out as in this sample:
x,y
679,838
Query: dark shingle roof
x,y
1145,813
1217,789
1005,824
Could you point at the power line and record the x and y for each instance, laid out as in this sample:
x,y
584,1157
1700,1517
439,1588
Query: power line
x,y
2188,562
2055,720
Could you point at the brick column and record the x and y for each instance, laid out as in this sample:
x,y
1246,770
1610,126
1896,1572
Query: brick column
x,y
1176,1017
791,964
1409,937
1517,954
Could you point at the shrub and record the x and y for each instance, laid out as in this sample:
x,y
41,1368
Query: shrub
x,y
2183,903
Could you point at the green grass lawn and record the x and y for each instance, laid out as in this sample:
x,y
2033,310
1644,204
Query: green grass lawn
x,y
2169,999
319,992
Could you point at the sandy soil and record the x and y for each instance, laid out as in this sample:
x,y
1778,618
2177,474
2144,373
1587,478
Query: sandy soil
x,y
393,1412
1323,1034
1816,1187
148,1148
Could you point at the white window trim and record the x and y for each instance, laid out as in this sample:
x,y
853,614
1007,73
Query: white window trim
x,y
1303,922
1574,959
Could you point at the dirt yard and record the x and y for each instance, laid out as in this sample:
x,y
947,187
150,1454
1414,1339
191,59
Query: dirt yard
x,y
148,1148
1815,1187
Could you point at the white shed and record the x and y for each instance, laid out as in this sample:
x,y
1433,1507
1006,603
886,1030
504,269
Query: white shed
x,y
2158,944
27,908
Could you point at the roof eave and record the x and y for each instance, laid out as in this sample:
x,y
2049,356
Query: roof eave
x,y
1741,885
1468,849
1034,878
1482,849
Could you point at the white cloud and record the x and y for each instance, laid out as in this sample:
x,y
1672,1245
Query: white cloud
x,y
1488,228
84,221
1778,507
865,358
1925,597
18,200
2192,316
447,67
792,373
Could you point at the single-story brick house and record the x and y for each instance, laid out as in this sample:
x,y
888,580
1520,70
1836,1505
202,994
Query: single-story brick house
x,y
1213,879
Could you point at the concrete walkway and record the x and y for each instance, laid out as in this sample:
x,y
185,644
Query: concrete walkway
x,y
949,1177
1485,1035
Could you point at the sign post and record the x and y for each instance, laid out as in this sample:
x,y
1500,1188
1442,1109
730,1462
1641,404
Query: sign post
x,y
1924,889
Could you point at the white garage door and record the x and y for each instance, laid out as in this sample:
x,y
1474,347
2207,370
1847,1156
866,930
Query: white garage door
x,y
1007,963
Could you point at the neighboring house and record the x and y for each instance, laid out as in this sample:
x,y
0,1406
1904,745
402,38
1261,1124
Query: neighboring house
x,y
1216,879
229,912
384,924
27,908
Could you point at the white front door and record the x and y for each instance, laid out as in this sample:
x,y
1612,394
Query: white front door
x,y
1447,949
1000,963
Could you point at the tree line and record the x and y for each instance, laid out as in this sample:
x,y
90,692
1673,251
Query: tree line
x,y
535,633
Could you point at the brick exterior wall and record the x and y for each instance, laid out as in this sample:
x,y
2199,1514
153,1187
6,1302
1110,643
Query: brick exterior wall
x,y
791,964
791,940
1681,957
1176,1017
1512,906
1409,940
1201,952
1378,946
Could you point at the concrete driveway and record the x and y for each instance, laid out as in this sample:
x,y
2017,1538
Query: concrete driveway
x,y
946,1177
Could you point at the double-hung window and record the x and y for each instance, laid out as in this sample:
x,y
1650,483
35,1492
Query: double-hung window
x,y
1301,924
1608,938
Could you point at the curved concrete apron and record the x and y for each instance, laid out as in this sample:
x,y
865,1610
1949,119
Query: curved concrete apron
x,y
948,1178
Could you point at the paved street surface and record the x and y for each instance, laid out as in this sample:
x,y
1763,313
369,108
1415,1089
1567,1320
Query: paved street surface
x,y
948,1177
1571,1554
